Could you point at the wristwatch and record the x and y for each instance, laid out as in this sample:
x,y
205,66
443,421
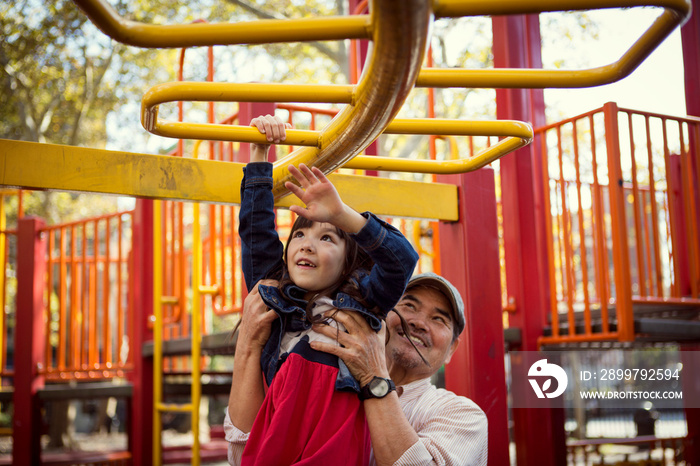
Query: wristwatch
x,y
378,387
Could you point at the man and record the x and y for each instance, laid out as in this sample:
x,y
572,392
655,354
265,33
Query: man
x,y
410,421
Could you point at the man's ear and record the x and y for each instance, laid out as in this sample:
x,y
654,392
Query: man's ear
x,y
451,351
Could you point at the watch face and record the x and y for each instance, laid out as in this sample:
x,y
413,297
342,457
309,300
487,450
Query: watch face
x,y
379,387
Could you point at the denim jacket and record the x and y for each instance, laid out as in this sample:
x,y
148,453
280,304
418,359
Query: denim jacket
x,y
262,254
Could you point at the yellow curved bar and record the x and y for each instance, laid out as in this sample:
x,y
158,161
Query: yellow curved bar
x,y
400,31
459,8
517,133
447,167
675,13
201,34
444,127
227,92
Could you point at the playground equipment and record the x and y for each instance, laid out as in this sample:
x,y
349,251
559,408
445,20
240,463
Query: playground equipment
x,y
399,32
653,272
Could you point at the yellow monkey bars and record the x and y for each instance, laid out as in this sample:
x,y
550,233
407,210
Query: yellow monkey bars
x,y
674,14
201,34
399,31
518,134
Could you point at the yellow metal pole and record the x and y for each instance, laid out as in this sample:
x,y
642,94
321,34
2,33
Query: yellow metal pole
x,y
445,167
157,333
234,92
3,225
520,135
444,127
201,34
458,8
68,168
674,14
196,332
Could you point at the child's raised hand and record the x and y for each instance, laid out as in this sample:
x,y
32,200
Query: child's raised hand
x,y
274,128
323,203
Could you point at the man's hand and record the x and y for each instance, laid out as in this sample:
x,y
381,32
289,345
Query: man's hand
x,y
362,350
365,355
256,320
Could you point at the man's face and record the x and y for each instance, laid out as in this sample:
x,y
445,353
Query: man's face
x,y
428,314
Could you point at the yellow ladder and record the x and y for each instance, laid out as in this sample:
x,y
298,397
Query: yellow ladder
x,y
159,407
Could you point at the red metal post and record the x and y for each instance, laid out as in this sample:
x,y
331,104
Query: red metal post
x,y
141,413
690,37
516,44
29,340
469,250
679,240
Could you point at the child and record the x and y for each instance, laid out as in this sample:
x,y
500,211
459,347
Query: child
x,y
335,258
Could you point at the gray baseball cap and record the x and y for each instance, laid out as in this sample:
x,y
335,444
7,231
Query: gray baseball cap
x,y
446,288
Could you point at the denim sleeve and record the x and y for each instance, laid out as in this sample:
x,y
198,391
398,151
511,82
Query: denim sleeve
x,y
394,261
261,248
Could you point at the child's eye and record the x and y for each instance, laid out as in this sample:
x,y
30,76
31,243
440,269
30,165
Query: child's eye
x,y
326,238
298,234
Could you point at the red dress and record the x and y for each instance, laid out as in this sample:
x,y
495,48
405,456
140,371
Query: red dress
x,y
304,420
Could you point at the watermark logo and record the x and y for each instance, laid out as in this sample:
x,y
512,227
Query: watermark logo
x,y
542,369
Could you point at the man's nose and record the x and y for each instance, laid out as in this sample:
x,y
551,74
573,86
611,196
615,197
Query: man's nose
x,y
417,320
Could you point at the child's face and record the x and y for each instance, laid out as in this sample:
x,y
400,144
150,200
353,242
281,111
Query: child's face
x,y
315,256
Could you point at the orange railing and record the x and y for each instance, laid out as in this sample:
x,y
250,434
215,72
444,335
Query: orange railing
x,y
622,193
88,300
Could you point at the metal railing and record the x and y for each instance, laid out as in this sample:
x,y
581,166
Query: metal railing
x,y
88,299
622,193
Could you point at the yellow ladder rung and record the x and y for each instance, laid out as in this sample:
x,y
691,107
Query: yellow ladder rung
x,y
172,407
213,289
169,300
